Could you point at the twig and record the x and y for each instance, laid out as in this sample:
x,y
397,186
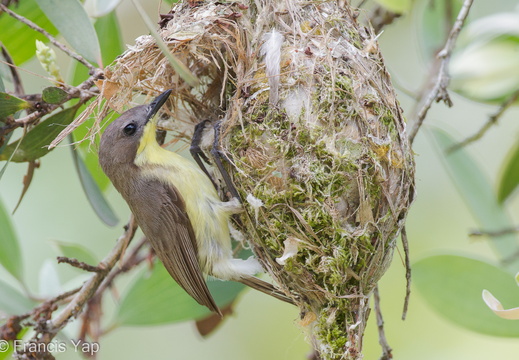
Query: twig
x,y
130,262
382,340
405,244
81,265
494,233
46,330
52,39
361,4
439,91
50,305
380,17
35,313
83,91
91,285
91,319
492,120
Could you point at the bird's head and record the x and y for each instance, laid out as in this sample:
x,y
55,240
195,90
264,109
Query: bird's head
x,y
131,131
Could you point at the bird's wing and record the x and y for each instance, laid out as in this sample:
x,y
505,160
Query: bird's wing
x,y
170,232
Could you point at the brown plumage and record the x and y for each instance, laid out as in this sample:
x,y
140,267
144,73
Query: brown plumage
x,y
159,209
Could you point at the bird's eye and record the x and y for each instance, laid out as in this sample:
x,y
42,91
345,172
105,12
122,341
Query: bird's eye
x,y
130,129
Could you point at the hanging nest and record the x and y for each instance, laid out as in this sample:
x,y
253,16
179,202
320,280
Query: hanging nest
x,y
314,136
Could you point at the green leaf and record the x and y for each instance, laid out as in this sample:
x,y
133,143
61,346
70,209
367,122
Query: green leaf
x,y
8,353
12,301
35,143
477,191
10,254
102,7
509,178
74,25
20,40
75,251
483,66
487,71
6,138
157,299
111,42
93,193
110,37
452,286
397,6
109,34
54,95
10,104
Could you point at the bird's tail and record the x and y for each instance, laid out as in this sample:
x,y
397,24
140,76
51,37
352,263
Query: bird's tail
x,y
265,288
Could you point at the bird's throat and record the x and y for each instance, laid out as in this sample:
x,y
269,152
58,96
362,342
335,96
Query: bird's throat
x,y
148,137
149,151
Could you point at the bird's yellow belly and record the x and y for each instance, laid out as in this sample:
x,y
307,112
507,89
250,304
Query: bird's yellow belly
x,y
203,206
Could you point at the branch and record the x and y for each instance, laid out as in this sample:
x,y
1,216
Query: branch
x,y
405,244
52,39
439,91
494,233
83,92
47,328
492,120
91,285
91,319
130,262
386,349
81,265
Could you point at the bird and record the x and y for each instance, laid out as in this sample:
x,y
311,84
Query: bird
x,y
176,205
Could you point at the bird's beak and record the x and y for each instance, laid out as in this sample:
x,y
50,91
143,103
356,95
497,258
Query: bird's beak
x,y
157,104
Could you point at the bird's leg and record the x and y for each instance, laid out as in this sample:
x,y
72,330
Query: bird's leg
x,y
199,155
218,156
234,205
196,151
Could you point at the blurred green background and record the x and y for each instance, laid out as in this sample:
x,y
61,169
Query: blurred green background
x,y
55,208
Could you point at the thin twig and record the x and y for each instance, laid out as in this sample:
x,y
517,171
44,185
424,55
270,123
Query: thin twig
x,y
81,265
46,304
130,262
380,17
83,91
91,285
47,330
405,244
92,319
91,69
382,340
492,120
494,233
439,90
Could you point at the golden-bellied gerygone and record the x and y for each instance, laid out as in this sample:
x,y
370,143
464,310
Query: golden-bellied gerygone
x,y
176,206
